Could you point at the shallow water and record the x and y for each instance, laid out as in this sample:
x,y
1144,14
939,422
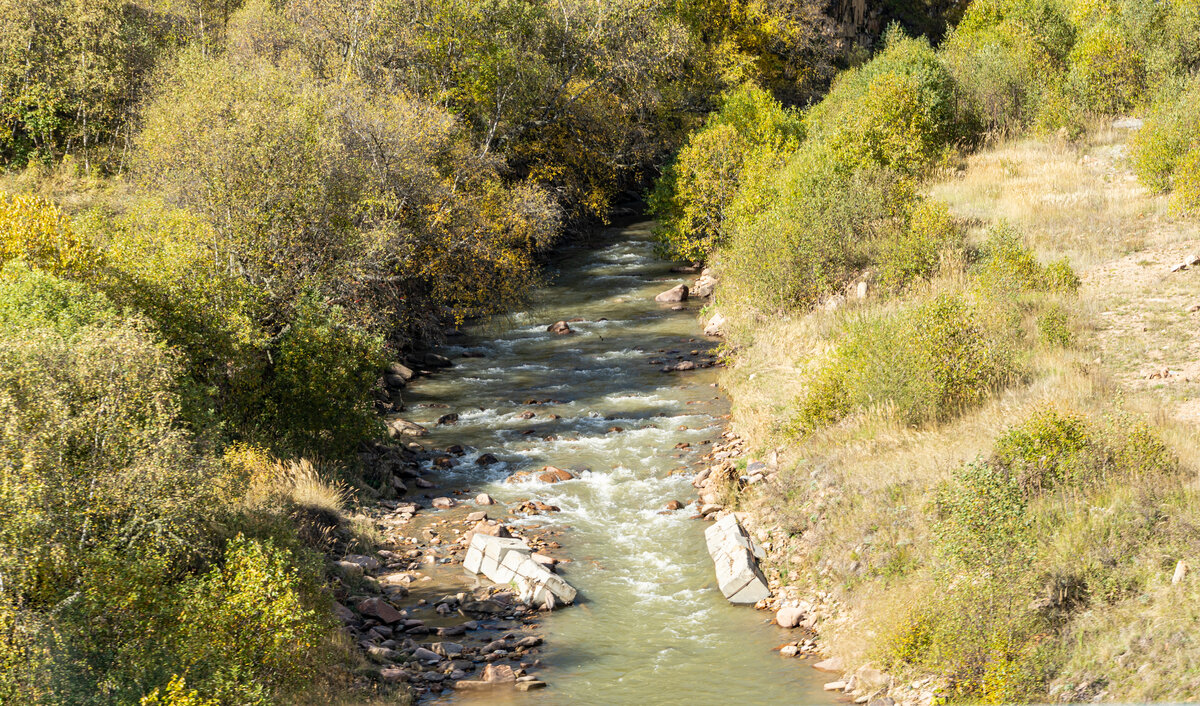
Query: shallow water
x,y
650,625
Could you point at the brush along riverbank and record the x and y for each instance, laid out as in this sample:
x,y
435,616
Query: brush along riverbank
x,y
982,496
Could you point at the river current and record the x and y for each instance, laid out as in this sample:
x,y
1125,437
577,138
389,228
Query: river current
x,y
650,625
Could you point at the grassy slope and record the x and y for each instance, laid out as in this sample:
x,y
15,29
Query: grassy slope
x,y
848,508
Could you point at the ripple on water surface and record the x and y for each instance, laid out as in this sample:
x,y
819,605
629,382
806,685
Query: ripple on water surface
x,y
650,626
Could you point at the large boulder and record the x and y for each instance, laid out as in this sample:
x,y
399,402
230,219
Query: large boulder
x,y
678,293
714,325
735,556
559,327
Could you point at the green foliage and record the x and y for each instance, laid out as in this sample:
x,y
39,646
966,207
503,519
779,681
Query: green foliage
x,y
1008,267
250,629
176,693
1062,448
1054,327
1185,198
323,367
1168,133
692,197
916,253
897,111
1005,57
1107,74
34,231
949,361
814,233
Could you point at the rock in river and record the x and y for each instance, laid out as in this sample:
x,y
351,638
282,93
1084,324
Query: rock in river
x,y
559,327
678,293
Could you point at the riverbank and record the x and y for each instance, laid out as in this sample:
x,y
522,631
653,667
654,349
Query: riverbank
x,y
626,407
859,515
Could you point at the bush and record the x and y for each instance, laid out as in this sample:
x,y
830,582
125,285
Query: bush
x,y
1107,74
690,200
916,253
250,631
1055,448
1169,131
1008,267
33,230
325,366
948,362
1054,327
817,233
896,111
1186,195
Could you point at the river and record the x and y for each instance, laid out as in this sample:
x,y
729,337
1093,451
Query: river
x,y
650,625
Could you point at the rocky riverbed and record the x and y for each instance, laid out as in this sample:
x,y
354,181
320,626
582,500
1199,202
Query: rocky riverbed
x,y
583,421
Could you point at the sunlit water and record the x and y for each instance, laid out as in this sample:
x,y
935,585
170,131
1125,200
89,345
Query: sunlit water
x,y
650,625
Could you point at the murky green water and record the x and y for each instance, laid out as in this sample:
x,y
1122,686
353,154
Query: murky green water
x,y
650,625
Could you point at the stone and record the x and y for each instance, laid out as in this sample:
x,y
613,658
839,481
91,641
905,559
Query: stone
x,y
402,427
394,381
349,569
559,327
710,509
484,499
678,293
424,655
508,561
735,557
704,285
529,641
403,371
447,649
443,503
531,685
392,675
789,651
491,529
448,419
422,483
674,505
685,365
486,460
833,664
550,474
380,609
368,563
343,613
713,327
471,685
1181,570
479,516
789,616
499,674
835,686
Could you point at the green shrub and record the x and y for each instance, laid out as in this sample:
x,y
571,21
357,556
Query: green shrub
x,y
1185,198
324,368
916,253
1008,267
817,233
1169,131
250,630
1054,327
896,111
690,200
1107,74
1060,448
948,362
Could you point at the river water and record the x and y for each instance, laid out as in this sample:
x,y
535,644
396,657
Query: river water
x,y
650,625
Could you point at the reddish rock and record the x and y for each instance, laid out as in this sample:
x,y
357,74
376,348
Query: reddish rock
x,y
443,503
550,474
674,505
381,609
559,327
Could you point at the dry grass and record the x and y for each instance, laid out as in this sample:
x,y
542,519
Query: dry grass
x,y
848,510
